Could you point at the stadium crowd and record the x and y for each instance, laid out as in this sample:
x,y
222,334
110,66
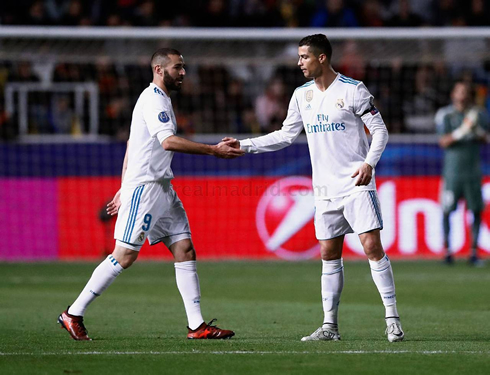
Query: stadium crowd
x,y
214,99
246,13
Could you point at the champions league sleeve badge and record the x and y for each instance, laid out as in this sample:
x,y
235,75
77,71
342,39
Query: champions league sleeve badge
x,y
163,117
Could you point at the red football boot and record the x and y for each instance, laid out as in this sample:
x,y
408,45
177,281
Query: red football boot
x,y
207,331
74,325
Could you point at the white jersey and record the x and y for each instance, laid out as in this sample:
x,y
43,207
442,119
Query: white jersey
x,y
334,124
153,121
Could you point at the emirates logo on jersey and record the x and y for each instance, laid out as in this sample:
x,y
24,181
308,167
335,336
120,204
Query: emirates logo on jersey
x,y
340,103
309,95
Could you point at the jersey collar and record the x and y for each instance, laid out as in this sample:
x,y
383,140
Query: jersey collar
x,y
328,88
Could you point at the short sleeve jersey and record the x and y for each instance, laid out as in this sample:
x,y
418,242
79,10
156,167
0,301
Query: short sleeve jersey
x,y
335,131
153,121
462,158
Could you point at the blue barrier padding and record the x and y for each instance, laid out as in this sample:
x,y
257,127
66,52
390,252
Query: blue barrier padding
x,y
97,159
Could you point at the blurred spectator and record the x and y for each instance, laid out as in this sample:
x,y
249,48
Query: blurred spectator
x,y
117,117
250,121
334,13
256,13
370,14
236,106
245,13
63,118
447,13
422,8
227,98
56,9
419,111
404,16
270,107
36,15
145,14
478,14
296,13
215,14
22,72
351,61
212,101
74,16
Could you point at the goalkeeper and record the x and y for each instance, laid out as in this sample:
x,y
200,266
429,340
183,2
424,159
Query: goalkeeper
x,y
462,127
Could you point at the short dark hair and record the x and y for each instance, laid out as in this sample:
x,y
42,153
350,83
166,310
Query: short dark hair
x,y
161,56
318,44
462,81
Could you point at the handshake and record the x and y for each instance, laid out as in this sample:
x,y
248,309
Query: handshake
x,y
228,148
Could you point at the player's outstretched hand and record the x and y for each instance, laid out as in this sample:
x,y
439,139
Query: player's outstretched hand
x,y
365,173
114,204
226,150
232,142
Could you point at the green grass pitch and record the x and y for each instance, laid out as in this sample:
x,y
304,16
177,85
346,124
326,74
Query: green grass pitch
x,y
139,324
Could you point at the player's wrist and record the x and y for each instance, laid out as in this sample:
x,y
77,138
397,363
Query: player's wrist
x,y
212,150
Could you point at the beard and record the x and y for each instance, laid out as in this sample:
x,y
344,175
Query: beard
x,y
171,83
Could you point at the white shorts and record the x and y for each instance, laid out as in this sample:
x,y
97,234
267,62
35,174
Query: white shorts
x,y
151,210
359,213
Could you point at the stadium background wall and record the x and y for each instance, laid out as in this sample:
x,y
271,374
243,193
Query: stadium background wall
x,y
235,207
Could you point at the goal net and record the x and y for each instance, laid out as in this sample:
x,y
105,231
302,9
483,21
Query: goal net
x,y
65,110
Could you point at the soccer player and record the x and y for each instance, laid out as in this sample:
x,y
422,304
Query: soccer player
x,y
147,205
333,110
462,126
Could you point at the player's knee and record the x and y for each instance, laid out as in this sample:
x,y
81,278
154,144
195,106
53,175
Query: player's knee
x,y
329,252
183,251
126,262
125,257
373,249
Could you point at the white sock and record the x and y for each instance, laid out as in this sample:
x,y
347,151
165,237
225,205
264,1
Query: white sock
x,y
382,274
188,284
102,277
332,285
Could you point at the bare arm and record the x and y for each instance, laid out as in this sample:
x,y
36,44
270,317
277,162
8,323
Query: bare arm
x,y
221,150
115,203
125,163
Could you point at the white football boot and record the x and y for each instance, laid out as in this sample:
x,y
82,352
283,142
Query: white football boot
x,y
394,331
327,332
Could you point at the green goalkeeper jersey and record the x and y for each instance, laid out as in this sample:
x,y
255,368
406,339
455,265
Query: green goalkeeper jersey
x,y
462,158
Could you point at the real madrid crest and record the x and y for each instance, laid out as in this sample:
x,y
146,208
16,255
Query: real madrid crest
x,y
340,103
141,237
309,95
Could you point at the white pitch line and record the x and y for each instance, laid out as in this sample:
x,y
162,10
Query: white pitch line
x,y
425,352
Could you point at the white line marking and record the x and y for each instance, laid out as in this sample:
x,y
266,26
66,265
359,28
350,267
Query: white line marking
x,y
424,352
